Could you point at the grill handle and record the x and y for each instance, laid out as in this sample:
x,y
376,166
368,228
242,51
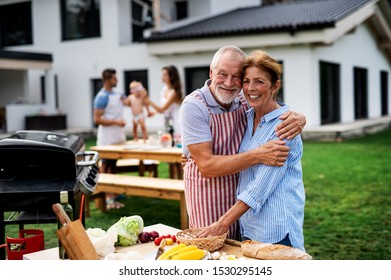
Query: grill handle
x,y
88,162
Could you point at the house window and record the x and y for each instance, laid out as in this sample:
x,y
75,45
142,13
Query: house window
x,y
43,91
384,92
181,10
16,24
137,75
195,78
329,92
80,19
360,93
141,18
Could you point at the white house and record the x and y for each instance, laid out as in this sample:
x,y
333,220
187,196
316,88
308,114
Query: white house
x,y
336,53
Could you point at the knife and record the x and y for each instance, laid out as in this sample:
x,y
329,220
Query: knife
x,y
160,250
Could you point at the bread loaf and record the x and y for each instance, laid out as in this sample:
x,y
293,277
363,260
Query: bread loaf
x,y
267,251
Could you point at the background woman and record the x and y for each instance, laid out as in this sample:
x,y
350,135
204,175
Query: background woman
x,y
171,100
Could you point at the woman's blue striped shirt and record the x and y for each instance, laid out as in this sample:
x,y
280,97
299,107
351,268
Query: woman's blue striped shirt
x,y
275,194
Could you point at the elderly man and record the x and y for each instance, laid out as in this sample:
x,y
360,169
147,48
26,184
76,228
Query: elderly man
x,y
213,121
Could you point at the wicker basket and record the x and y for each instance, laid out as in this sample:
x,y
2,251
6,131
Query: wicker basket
x,y
210,243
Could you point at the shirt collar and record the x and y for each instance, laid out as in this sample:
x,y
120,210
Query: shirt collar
x,y
271,115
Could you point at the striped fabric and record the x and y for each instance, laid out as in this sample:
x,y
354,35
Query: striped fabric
x,y
275,194
208,199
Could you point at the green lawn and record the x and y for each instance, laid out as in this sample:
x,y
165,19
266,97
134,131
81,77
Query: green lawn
x,y
347,214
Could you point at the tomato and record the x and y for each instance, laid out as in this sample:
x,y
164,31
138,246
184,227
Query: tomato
x,y
158,240
173,237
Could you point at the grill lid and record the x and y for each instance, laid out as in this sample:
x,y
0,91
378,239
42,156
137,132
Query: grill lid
x,y
39,155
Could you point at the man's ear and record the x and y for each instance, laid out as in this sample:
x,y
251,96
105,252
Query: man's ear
x,y
210,73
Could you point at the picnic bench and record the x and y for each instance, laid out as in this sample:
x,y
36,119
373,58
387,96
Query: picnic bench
x,y
141,186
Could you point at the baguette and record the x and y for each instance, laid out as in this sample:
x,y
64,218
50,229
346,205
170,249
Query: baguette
x,y
267,251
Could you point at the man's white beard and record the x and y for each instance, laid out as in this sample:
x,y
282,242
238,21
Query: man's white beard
x,y
225,98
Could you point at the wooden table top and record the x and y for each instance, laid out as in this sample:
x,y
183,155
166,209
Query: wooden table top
x,y
136,150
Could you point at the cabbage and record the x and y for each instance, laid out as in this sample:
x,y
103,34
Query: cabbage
x,y
128,229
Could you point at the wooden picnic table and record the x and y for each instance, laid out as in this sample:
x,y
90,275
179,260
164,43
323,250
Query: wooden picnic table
x,y
141,151
130,149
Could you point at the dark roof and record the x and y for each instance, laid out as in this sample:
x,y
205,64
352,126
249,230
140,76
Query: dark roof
x,y
26,55
286,17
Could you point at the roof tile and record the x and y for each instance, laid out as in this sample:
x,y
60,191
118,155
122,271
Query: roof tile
x,y
299,15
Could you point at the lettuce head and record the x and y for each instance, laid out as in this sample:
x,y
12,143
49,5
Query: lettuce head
x,y
128,229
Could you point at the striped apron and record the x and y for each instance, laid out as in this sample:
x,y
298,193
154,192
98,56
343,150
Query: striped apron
x,y
208,199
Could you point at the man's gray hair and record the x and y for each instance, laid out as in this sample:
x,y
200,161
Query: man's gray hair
x,y
222,50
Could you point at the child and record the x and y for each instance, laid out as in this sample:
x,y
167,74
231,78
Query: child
x,y
137,101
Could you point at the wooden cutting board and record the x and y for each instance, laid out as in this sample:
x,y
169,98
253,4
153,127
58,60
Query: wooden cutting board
x,y
76,242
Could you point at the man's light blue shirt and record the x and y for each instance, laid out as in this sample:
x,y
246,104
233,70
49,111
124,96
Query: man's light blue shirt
x,y
275,194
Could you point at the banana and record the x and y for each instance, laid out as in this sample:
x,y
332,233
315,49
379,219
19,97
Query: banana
x,y
180,251
172,250
195,254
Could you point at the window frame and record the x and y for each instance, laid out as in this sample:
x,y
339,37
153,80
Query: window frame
x,y
330,92
22,16
94,24
360,88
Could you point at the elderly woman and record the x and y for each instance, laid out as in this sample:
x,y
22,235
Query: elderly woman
x,y
270,199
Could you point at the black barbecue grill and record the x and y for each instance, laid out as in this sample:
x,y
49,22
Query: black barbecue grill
x,y
35,166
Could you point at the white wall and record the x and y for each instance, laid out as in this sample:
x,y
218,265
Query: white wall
x,y
300,80
124,22
76,62
218,6
356,49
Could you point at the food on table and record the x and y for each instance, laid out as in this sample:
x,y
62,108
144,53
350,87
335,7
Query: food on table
x,y
132,255
183,252
103,242
157,241
128,229
267,251
171,251
154,234
222,256
144,237
170,239
195,254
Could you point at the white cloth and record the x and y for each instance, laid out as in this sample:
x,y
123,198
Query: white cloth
x,y
112,134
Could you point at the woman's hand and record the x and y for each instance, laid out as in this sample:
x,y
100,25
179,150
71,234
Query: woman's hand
x,y
215,229
292,125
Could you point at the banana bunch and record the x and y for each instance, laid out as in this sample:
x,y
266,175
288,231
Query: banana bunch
x,y
183,252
